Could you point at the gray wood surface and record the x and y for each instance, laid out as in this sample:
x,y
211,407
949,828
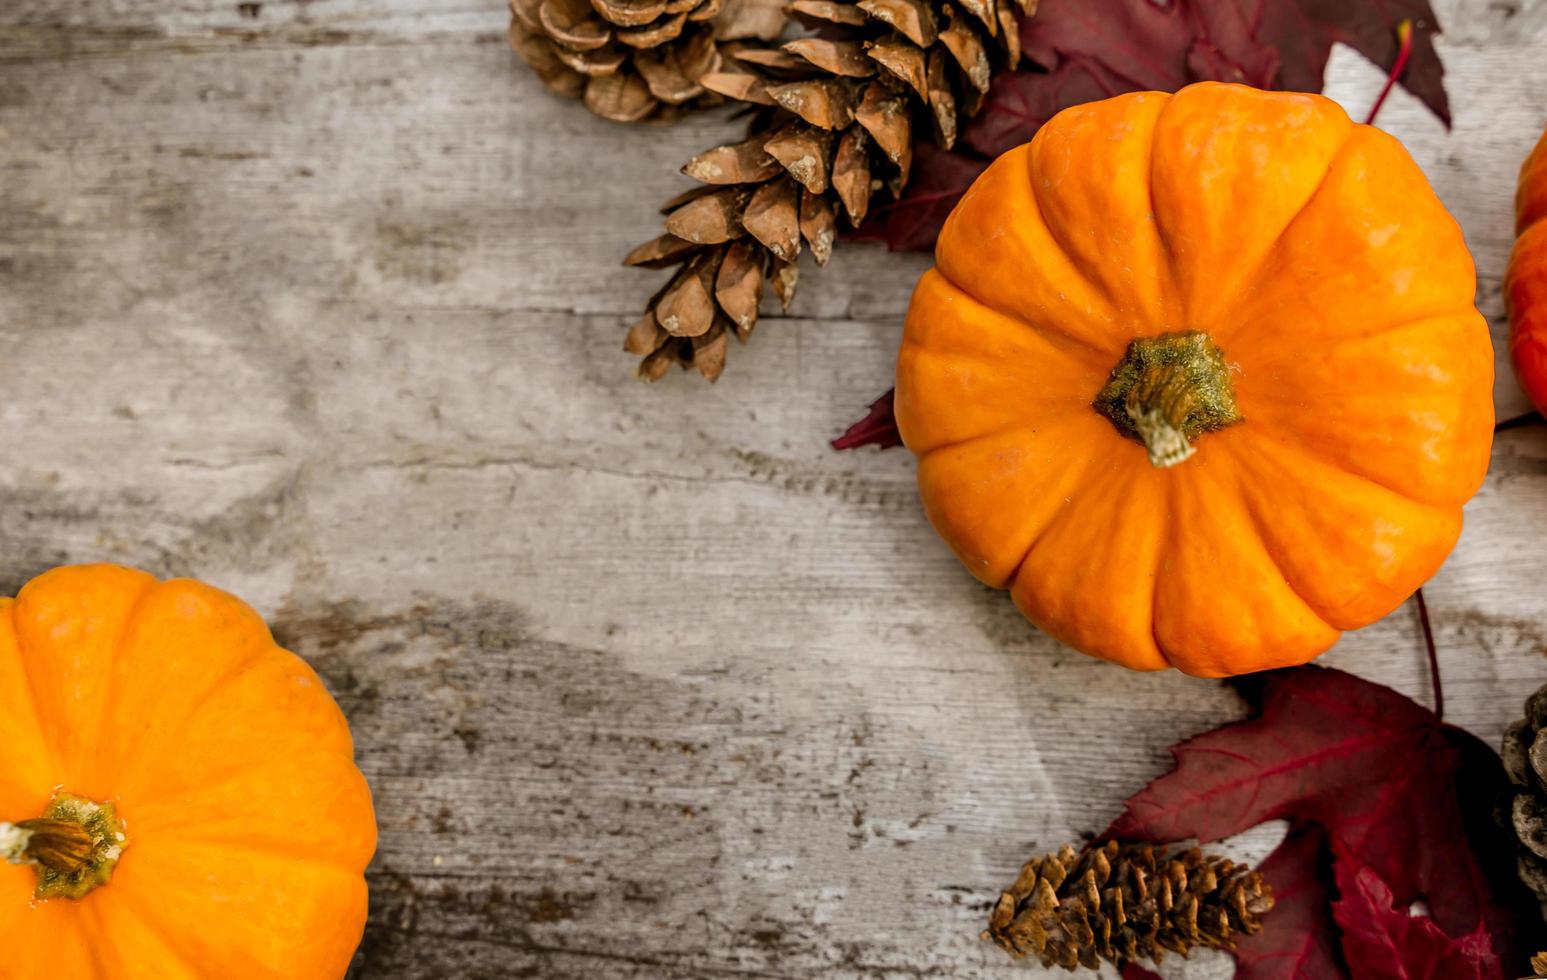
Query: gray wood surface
x,y
318,300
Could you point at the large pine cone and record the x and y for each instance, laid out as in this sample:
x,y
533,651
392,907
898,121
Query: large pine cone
x,y
1525,759
1124,902
632,60
839,113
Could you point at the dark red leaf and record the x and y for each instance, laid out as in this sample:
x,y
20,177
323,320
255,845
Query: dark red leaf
x,y
1299,940
939,180
878,428
1380,773
1305,30
1095,49
1133,971
1150,45
1019,103
1283,44
1383,940
1082,50
1227,49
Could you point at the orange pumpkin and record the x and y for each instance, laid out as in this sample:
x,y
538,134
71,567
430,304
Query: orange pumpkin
x,y
183,789
1199,379
1525,284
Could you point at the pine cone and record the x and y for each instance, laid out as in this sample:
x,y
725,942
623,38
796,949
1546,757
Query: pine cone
x,y
840,110
632,60
1538,967
1123,902
1525,759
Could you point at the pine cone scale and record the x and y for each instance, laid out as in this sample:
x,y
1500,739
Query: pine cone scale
x,y
814,12
623,98
524,12
905,61
573,24
652,35
601,63
628,13
970,53
818,225
772,217
803,153
913,19
738,86
1010,34
544,59
843,58
706,10
738,288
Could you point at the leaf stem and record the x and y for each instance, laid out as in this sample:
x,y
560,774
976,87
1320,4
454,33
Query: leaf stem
x,y
1404,54
1434,655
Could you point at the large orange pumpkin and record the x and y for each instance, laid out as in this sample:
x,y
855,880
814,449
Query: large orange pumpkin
x,y
1525,284
1198,377
183,789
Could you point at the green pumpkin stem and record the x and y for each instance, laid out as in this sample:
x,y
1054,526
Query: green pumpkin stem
x,y
73,847
1167,391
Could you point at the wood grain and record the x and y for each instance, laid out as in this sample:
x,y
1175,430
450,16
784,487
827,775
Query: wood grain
x,y
320,301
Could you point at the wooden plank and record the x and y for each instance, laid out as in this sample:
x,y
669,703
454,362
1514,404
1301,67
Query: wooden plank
x,y
302,22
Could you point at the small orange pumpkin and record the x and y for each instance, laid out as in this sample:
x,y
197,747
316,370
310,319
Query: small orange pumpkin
x,y
1199,378
1525,283
183,789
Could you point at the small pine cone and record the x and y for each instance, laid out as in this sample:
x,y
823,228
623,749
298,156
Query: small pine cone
x,y
837,114
633,60
1124,902
1525,760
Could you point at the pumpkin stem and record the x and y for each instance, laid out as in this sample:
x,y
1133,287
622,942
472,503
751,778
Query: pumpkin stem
x,y
74,846
1167,391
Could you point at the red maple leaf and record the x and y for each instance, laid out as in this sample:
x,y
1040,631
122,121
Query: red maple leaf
x,y
1383,940
1380,774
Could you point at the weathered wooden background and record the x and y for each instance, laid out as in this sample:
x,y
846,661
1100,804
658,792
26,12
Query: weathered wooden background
x,y
319,300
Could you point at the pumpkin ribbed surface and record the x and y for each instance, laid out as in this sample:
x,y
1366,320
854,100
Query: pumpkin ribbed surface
x,y
1199,378
246,826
